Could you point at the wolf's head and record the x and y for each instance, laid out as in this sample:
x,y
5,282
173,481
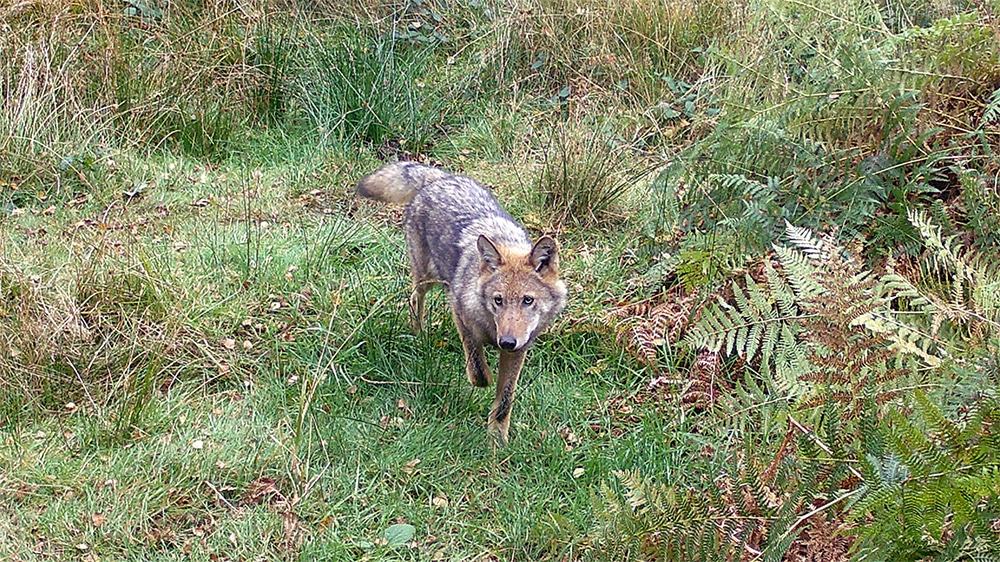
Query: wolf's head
x,y
522,291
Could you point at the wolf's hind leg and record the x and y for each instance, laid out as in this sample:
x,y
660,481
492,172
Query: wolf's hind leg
x,y
422,273
420,289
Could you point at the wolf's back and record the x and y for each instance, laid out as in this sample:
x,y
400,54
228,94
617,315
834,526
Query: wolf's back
x,y
398,182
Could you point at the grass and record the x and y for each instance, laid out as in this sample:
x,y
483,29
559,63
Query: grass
x,y
242,384
392,434
203,342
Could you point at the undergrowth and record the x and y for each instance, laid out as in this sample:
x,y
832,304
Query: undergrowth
x,y
778,223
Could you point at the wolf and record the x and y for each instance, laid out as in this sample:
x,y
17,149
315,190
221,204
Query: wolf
x,y
503,290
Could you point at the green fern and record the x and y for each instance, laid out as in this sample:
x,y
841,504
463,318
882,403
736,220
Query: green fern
x,y
830,341
760,325
824,290
967,283
938,492
991,114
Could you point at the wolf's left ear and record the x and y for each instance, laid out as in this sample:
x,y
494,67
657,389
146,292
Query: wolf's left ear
x,y
545,256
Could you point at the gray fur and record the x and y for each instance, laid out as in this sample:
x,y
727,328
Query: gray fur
x,y
459,235
397,183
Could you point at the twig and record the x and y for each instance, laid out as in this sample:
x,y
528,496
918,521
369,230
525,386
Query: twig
x,y
812,437
802,518
218,493
414,383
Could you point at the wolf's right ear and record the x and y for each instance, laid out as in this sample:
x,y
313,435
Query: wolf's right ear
x,y
488,254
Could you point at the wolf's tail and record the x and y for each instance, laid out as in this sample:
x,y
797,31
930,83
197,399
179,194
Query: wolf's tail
x,y
398,182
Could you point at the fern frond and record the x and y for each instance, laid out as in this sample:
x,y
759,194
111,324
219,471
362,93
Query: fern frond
x,y
991,114
970,284
799,272
752,327
937,489
803,239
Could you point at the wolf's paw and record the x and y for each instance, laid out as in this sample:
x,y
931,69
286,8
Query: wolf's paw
x,y
497,435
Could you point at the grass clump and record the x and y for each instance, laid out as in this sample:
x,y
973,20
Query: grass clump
x,y
581,178
371,90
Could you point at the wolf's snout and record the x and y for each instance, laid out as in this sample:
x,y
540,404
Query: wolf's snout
x,y
508,342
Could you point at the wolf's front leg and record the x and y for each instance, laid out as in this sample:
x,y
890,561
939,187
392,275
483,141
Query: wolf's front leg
x,y
507,374
476,367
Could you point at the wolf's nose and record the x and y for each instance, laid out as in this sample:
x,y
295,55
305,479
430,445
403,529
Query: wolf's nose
x,y
508,342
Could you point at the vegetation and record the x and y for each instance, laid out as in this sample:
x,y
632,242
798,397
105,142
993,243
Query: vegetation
x,y
780,222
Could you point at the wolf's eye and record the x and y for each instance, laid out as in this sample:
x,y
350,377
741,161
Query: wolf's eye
x,y
528,300
498,300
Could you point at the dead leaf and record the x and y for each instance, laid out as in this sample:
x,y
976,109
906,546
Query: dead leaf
x,y
440,500
229,343
569,437
261,490
98,519
411,466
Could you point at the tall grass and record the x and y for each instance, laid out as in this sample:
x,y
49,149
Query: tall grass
x,y
364,88
583,174
623,50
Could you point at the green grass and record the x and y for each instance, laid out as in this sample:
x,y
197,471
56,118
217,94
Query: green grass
x,y
204,350
407,446
247,313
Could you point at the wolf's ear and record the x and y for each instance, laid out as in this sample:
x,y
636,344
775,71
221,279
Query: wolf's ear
x,y
488,254
545,256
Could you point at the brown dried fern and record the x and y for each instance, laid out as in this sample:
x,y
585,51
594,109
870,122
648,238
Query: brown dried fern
x,y
644,327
